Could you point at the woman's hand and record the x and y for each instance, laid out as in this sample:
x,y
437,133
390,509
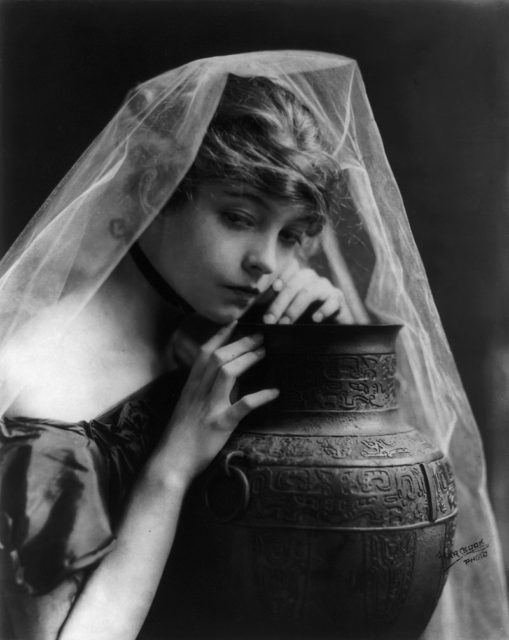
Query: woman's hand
x,y
205,416
296,289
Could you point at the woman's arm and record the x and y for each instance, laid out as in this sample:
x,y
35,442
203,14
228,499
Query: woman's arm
x,y
117,596
28,617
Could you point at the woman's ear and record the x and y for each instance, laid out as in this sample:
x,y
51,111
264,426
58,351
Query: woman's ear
x,y
147,188
156,193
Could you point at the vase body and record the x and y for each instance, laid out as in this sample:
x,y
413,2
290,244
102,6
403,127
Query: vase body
x,y
325,515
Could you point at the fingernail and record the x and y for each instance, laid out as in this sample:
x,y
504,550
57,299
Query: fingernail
x,y
277,285
285,320
257,337
317,317
269,318
260,352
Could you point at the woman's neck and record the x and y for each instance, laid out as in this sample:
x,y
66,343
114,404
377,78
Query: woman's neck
x,y
158,283
130,303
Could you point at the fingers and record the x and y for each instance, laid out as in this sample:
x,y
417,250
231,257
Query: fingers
x,y
206,353
285,276
229,354
219,338
321,291
346,316
186,349
211,363
228,373
290,288
246,404
303,288
334,301
235,349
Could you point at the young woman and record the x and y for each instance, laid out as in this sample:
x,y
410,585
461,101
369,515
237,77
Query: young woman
x,y
251,184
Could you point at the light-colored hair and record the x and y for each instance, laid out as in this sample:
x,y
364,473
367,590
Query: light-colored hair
x,y
263,136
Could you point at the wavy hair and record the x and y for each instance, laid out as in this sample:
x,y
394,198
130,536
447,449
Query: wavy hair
x,y
262,135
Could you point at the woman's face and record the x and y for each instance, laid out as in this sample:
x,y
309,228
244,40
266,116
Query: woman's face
x,y
224,247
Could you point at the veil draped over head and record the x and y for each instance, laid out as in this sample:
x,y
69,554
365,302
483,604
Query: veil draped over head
x,y
130,171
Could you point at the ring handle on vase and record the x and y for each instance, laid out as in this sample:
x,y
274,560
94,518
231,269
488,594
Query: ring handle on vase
x,y
227,491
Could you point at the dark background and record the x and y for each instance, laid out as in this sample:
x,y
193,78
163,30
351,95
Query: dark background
x,y
437,77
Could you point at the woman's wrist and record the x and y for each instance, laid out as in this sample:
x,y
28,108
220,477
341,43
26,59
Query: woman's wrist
x,y
161,475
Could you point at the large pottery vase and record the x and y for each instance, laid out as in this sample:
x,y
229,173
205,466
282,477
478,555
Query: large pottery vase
x,y
326,515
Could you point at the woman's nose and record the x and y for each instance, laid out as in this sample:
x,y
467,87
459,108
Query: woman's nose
x,y
261,259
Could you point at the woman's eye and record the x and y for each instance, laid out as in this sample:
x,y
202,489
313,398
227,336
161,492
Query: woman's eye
x,y
291,238
237,219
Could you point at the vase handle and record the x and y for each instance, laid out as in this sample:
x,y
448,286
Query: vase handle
x,y
227,491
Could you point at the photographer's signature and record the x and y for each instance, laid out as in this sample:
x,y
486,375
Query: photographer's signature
x,y
469,553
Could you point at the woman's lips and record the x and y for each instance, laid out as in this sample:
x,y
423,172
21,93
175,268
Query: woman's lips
x,y
245,292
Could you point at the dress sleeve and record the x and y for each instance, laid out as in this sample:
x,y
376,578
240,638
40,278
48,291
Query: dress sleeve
x,y
53,503
63,485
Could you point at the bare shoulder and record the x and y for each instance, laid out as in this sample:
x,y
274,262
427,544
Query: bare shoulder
x,y
37,362
69,369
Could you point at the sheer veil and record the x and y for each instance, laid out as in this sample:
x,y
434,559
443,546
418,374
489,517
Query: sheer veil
x,y
128,173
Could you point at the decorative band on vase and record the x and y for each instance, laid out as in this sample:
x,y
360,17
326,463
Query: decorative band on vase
x,y
354,498
408,447
338,382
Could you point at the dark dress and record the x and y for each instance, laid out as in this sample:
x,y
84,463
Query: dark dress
x,y
63,485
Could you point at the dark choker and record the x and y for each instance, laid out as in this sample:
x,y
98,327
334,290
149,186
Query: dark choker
x,y
157,281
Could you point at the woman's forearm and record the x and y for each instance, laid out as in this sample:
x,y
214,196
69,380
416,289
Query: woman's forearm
x,y
29,617
117,596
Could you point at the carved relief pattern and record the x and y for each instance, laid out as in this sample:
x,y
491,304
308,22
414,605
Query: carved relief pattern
x,y
330,450
390,559
336,382
281,573
341,497
443,485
